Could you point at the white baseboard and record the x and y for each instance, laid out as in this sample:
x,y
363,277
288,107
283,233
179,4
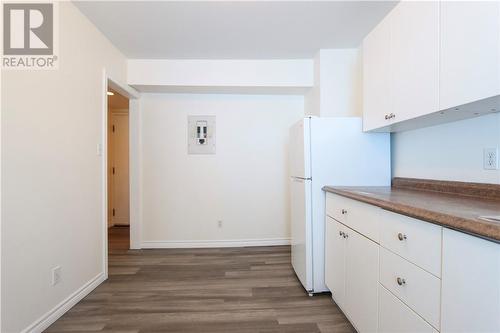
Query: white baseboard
x,y
214,243
50,317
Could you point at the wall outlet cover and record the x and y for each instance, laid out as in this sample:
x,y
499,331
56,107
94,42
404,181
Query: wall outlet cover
x,y
490,158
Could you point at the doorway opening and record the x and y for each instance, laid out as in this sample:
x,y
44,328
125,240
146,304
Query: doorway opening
x,y
118,172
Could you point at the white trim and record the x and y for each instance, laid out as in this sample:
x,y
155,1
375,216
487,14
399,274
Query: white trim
x,y
104,172
214,243
135,173
123,89
50,317
134,151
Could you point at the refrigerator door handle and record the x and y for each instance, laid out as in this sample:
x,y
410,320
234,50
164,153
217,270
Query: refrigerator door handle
x,y
300,179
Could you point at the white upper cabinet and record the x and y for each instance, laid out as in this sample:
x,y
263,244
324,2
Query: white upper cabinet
x,y
376,83
415,59
470,51
428,57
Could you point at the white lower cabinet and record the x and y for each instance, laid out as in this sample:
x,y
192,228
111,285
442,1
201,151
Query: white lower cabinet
x,y
416,241
351,274
363,218
335,260
361,286
396,317
420,278
417,288
471,284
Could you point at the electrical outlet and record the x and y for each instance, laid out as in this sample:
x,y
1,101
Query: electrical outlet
x,y
219,223
56,275
490,158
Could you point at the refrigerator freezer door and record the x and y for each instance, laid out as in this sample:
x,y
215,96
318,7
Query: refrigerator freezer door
x,y
301,231
300,149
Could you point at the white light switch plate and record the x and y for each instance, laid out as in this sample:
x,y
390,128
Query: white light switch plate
x,y
56,275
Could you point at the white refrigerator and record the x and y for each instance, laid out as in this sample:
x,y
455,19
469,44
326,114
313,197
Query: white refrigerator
x,y
328,151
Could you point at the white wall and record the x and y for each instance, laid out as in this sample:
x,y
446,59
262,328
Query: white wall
x,y
337,90
451,151
51,175
293,73
312,99
245,184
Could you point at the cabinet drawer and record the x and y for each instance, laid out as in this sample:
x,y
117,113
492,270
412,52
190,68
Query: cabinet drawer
x,y
395,316
417,288
358,216
417,241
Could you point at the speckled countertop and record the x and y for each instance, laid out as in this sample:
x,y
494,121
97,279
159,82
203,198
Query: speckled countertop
x,y
454,205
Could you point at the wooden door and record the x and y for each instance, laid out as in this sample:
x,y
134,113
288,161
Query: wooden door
x,y
119,204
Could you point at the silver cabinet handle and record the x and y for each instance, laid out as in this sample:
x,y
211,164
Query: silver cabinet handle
x,y
402,237
343,234
344,211
401,281
386,117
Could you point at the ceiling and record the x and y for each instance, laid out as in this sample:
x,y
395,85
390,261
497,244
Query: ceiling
x,y
117,101
233,30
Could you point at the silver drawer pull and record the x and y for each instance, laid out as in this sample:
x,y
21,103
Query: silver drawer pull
x,y
402,237
344,211
341,233
346,235
401,281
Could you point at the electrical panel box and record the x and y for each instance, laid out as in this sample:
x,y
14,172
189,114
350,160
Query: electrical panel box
x,y
201,134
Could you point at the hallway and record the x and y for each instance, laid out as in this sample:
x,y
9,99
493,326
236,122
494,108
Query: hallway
x,y
118,239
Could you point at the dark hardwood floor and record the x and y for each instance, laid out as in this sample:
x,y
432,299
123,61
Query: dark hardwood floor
x,y
201,290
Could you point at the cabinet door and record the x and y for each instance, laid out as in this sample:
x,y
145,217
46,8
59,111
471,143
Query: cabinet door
x,y
415,59
396,317
377,97
470,300
362,271
470,51
335,260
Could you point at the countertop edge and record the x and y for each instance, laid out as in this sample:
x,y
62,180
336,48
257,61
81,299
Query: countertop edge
x,y
461,224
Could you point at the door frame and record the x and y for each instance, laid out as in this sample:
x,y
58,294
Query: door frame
x,y
134,163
